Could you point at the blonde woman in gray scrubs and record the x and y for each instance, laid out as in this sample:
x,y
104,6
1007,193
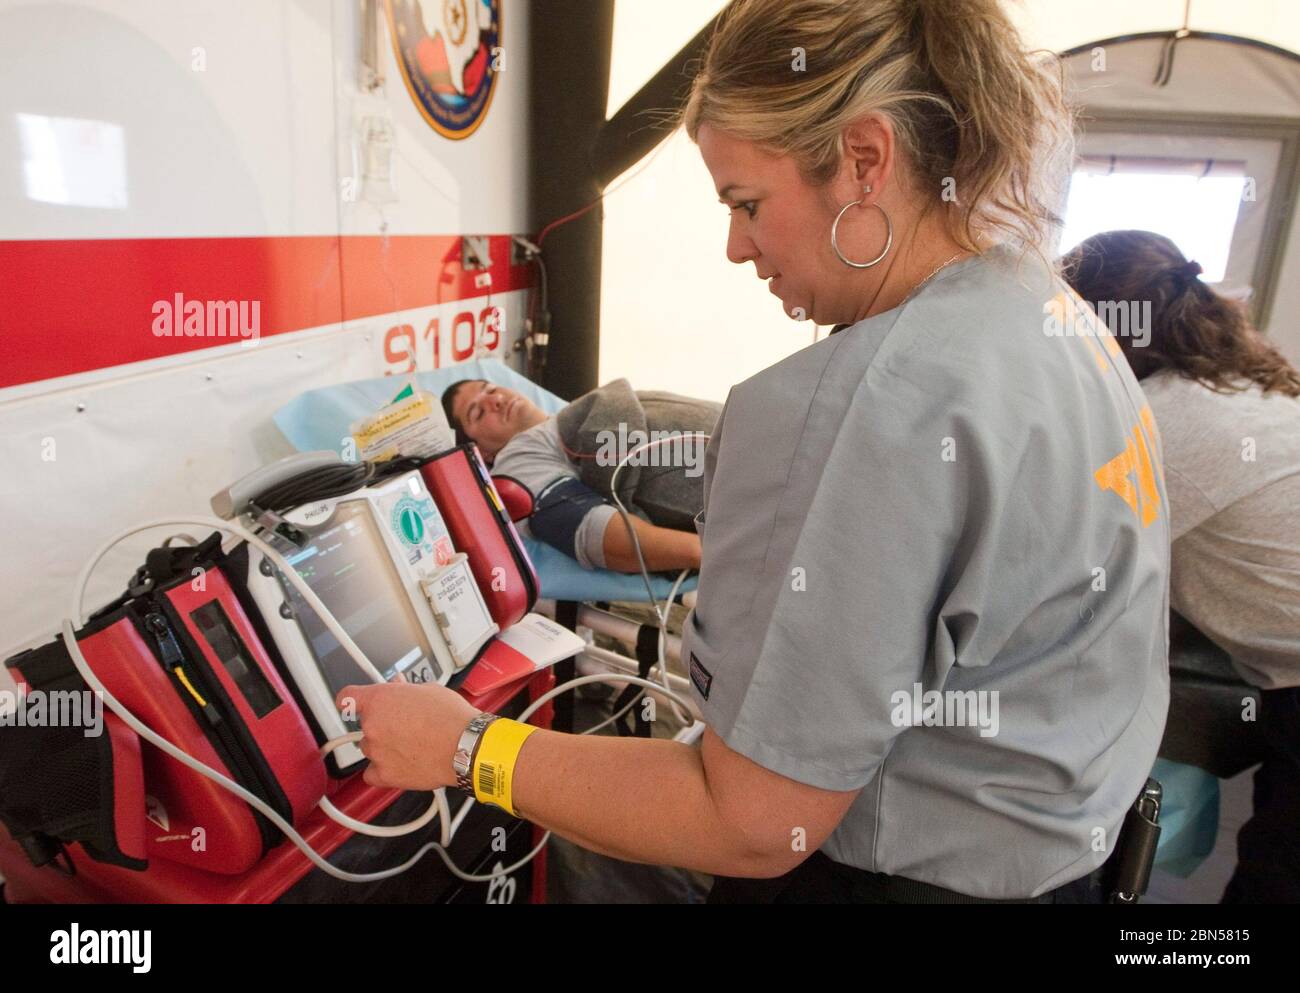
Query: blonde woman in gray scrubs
x,y
930,640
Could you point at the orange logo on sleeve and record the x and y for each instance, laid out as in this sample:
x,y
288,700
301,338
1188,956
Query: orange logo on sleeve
x,y
1134,461
1067,316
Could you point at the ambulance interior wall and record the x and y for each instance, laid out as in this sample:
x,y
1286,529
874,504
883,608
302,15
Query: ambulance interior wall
x,y
227,119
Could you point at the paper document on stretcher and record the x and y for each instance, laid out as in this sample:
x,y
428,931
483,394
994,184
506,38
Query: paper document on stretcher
x,y
414,425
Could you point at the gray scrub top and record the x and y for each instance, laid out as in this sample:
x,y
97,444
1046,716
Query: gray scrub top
x,y
936,557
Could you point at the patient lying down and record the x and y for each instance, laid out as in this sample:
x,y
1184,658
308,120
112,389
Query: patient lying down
x,y
566,461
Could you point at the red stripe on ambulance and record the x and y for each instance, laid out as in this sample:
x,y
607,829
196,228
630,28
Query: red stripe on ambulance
x,y
73,306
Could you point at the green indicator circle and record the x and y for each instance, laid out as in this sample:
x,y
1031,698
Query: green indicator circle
x,y
412,524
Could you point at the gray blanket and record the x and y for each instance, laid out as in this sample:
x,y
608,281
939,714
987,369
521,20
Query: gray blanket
x,y
667,480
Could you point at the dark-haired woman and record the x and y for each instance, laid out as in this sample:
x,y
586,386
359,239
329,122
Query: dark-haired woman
x,y
1227,404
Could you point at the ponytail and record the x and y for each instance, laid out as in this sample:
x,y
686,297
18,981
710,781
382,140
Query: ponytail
x,y
1194,331
1006,110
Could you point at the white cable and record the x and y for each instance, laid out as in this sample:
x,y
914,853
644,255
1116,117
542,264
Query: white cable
x,y
461,814
438,808
612,717
660,616
613,677
631,703
471,878
627,522
239,531
663,642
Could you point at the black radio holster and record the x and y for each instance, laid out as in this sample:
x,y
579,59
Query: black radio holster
x,y
1128,871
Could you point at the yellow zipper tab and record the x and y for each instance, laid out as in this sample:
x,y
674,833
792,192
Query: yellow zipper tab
x,y
180,674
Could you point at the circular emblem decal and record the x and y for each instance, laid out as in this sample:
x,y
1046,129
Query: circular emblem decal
x,y
447,51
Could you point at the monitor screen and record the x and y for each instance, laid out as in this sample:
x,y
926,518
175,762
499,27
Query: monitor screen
x,y
347,565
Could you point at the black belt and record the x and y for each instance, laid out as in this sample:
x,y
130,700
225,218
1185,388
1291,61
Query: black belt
x,y
899,889
820,879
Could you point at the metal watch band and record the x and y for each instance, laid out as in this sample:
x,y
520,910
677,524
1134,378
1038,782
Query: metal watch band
x,y
463,761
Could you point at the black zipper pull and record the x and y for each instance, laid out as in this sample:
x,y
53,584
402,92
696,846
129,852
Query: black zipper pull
x,y
167,647
173,659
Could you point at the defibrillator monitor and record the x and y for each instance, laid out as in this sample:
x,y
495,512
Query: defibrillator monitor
x,y
383,564
346,564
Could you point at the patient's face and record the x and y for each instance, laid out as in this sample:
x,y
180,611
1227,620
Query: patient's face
x,y
491,415
781,224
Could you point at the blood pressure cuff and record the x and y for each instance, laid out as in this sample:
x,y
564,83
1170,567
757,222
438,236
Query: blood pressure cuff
x,y
60,785
560,510
480,526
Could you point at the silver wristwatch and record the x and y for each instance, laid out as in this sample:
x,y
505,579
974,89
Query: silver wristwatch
x,y
463,761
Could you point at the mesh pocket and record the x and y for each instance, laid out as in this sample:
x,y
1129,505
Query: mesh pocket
x,y
57,783
50,781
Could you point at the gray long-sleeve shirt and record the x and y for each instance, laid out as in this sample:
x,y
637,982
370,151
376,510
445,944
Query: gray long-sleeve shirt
x,y
1232,465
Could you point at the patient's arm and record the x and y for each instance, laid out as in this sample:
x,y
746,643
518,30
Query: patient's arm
x,y
663,548
584,525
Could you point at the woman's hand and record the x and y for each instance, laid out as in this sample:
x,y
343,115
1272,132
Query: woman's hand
x,y
411,732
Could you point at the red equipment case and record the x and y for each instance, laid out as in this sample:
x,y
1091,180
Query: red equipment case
x,y
285,874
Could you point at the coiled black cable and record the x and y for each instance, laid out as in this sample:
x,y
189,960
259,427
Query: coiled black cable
x,y
316,484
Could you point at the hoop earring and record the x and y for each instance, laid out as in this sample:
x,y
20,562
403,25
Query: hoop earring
x,y
889,235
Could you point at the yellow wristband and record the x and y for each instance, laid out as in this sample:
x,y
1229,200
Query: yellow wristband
x,y
494,762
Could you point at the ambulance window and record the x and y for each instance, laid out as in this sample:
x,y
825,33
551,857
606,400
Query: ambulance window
x,y
224,640
73,162
1194,203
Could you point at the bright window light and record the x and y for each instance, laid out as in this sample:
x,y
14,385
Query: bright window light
x,y
73,162
1198,213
